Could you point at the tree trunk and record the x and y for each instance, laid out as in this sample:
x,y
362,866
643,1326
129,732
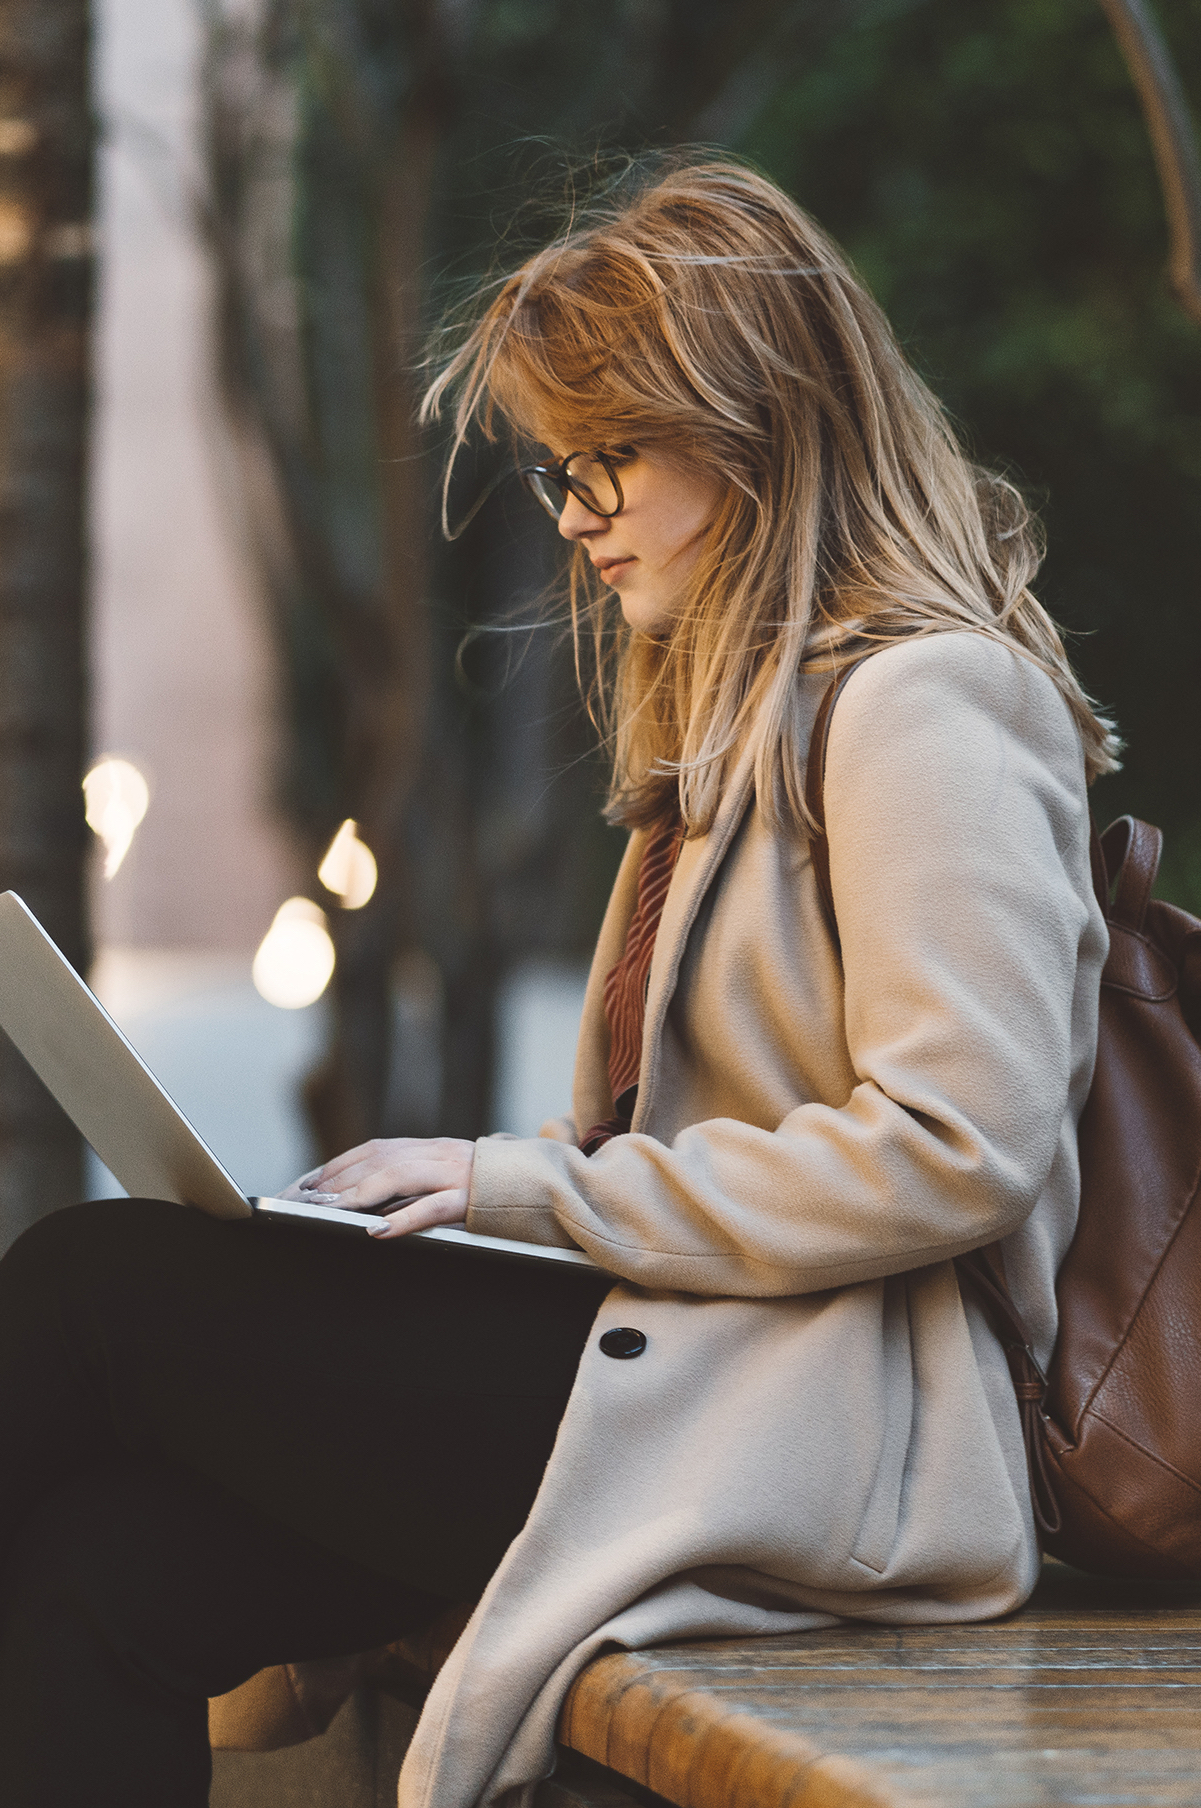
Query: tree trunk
x,y
45,300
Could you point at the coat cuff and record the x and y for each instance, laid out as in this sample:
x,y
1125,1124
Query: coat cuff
x,y
513,1188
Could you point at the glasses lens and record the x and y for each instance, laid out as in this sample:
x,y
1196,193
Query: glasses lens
x,y
548,494
589,480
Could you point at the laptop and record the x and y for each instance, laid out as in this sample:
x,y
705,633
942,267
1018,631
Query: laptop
x,y
135,1127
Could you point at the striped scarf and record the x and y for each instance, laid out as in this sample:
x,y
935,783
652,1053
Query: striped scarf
x,y
626,984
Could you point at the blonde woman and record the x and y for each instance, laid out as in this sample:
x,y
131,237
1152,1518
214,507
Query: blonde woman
x,y
787,1120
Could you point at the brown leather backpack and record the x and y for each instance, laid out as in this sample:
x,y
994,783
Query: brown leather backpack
x,y
1113,1430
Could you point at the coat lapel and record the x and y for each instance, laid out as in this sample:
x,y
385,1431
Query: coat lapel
x,y
695,868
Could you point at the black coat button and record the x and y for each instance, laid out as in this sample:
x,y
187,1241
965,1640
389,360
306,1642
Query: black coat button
x,y
623,1341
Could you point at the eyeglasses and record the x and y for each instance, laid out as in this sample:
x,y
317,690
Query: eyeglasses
x,y
591,477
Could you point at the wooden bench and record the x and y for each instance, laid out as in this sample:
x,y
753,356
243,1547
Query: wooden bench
x,y
1091,1695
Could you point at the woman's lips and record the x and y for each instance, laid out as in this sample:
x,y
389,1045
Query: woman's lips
x,y
611,569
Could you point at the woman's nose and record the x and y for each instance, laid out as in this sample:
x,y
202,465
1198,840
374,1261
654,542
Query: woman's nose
x,y
576,520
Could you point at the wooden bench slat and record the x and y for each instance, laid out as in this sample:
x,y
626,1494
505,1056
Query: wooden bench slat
x,y
1092,1693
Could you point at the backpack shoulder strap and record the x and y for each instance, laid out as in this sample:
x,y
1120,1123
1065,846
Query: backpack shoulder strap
x,y
1130,854
815,783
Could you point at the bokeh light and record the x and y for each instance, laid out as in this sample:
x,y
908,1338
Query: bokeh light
x,y
349,868
117,797
296,956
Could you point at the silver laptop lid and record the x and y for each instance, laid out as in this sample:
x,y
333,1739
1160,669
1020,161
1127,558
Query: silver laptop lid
x,y
103,1085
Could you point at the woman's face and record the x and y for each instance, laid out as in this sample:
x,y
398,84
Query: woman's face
x,y
648,552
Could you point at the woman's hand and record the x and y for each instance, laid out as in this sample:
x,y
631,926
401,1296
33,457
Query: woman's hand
x,y
417,1180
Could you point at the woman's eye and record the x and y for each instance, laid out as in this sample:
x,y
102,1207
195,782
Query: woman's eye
x,y
621,455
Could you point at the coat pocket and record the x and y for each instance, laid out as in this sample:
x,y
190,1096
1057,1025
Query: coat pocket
x,y
878,1528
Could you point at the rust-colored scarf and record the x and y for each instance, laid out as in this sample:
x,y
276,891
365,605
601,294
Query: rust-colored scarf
x,y
626,983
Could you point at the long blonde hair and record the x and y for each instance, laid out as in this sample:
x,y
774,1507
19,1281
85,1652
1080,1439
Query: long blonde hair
x,y
700,311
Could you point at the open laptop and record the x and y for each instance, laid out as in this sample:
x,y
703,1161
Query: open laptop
x,y
136,1129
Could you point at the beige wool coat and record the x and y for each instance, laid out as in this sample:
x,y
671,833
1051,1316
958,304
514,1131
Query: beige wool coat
x,y
819,1426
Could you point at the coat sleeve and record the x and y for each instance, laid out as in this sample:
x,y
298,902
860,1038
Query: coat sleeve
x,y
957,822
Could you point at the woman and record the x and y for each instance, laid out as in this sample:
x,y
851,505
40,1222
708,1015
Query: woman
x,y
228,1447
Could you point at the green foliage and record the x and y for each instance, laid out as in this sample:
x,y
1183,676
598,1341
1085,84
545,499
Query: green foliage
x,y
989,171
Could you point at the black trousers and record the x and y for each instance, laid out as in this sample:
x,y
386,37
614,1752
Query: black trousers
x,y
229,1445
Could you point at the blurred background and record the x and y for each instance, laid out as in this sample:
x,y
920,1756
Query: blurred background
x,y
310,794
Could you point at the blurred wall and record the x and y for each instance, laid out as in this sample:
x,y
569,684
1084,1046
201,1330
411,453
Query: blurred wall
x,y
181,668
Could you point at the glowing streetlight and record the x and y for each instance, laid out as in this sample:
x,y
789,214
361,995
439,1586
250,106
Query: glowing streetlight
x,y
349,868
117,797
296,956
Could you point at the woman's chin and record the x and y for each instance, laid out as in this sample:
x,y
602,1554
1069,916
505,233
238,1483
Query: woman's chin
x,y
652,619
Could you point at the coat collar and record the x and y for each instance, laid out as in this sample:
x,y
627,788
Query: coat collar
x,y
695,868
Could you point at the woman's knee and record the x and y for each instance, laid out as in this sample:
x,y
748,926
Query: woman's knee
x,y
102,1232
81,1326
99,1249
